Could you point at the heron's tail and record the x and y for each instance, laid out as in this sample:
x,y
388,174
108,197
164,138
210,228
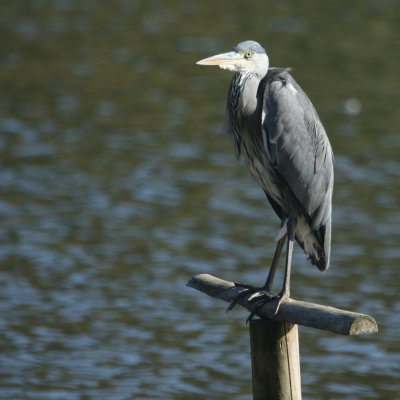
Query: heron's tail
x,y
315,243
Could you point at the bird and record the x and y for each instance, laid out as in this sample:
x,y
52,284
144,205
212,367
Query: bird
x,y
279,135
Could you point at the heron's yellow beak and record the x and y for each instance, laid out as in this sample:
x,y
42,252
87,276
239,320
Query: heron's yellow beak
x,y
224,59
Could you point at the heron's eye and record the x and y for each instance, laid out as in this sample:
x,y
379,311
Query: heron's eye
x,y
248,54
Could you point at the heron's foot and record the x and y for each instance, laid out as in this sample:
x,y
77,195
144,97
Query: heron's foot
x,y
255,294
262,297
246,290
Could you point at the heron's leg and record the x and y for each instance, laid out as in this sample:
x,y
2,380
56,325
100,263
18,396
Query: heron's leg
x,y
264,291
283,295
271,274
285,291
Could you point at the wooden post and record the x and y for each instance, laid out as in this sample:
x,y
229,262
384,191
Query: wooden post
x,y
275,360
274,338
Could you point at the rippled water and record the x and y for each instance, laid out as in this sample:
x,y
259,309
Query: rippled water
x,y
115,191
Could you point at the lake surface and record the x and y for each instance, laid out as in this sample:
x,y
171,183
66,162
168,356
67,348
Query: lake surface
x,y
116,189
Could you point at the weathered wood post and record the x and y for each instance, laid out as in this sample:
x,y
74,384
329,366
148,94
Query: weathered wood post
x,y
275,360
274,338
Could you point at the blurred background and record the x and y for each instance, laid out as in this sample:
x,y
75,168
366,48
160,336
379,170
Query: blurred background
x,y
116,189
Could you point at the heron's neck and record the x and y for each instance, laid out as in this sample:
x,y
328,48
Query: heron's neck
x,y
248,83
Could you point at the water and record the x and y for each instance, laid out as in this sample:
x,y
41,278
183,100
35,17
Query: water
x,y
115,191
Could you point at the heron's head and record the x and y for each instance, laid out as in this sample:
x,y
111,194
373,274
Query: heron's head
x,y
247,56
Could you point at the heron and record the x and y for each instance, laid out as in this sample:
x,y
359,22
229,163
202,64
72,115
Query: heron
x,y
279,135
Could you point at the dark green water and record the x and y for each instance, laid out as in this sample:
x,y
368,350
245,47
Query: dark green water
x,y
115,190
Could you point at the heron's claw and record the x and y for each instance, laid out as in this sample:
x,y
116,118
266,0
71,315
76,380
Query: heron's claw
x,y
262,297
247,289
283,298
259,297
256,294
261,294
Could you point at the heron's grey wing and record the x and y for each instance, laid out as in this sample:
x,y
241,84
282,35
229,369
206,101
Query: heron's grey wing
x,y
299,148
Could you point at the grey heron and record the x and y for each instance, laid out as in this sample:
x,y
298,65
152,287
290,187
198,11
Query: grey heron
x,y
277,131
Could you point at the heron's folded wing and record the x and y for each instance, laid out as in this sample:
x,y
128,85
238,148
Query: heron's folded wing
x,y
299,147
